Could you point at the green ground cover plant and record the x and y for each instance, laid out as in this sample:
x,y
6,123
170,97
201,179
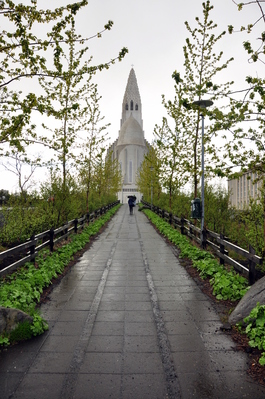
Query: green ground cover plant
x,y
226,284
255,330
23,288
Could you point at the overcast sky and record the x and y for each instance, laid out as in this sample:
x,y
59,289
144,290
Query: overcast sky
x,y
154,33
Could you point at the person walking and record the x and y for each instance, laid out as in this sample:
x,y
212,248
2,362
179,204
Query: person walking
x,y
131,203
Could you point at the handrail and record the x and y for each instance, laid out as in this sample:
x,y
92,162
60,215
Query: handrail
x,y
218,243
49,238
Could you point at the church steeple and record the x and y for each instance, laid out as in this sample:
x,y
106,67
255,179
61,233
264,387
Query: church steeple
x,y
132,101
130,147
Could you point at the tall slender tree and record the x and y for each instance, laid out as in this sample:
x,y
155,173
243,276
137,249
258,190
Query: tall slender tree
x,y
149,176
172,146
66,101
244,125
200,81
24,51
23,168
22,54
94,138
112,178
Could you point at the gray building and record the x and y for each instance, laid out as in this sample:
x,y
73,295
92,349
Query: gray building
x,y
242,189
130,146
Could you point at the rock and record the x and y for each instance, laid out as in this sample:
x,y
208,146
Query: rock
x,y
10,318
255,294
226,327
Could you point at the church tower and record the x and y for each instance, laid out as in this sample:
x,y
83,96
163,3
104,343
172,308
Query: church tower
x,y
132,100
131,146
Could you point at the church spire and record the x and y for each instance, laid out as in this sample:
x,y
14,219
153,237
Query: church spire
x,y
132,101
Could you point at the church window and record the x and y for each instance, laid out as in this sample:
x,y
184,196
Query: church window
x,y
126,107
130,172
131,105
136,107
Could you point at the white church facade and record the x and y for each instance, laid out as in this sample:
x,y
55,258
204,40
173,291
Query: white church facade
x,y
130,147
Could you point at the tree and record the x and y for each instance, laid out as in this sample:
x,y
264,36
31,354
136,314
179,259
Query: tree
x,y
72,100
93,142
217,211
17,167
148,177
172,150
255,54
112,178
22,56
245,124
199,81
106,178
24,53
64,100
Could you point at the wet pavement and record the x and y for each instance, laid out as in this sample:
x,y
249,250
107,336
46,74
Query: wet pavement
x,y
128,322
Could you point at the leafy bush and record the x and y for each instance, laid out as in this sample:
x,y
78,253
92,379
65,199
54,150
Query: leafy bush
x,y
20,222
229,285
26,215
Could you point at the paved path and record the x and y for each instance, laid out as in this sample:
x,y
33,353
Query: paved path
x,y
128,323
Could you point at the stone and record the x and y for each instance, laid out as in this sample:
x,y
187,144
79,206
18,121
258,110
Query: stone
x,y
255,294
226,327
10,318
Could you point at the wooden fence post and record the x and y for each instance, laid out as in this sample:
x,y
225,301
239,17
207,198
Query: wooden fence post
x,y
251,267
51,234
65,231
204,238
182,225
32,249
75,224
222,250
88,217
170,219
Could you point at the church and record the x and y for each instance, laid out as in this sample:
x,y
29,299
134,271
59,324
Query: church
x,y
130,147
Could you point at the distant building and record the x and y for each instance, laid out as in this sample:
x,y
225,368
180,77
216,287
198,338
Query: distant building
x,y
131,146
242,189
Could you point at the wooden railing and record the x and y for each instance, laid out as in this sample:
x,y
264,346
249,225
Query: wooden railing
x,y
220,245
28,251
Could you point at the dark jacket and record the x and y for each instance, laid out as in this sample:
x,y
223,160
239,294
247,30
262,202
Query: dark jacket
x,y
131,202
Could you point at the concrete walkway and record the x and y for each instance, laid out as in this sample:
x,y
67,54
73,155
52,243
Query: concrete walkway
x,y
128,322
